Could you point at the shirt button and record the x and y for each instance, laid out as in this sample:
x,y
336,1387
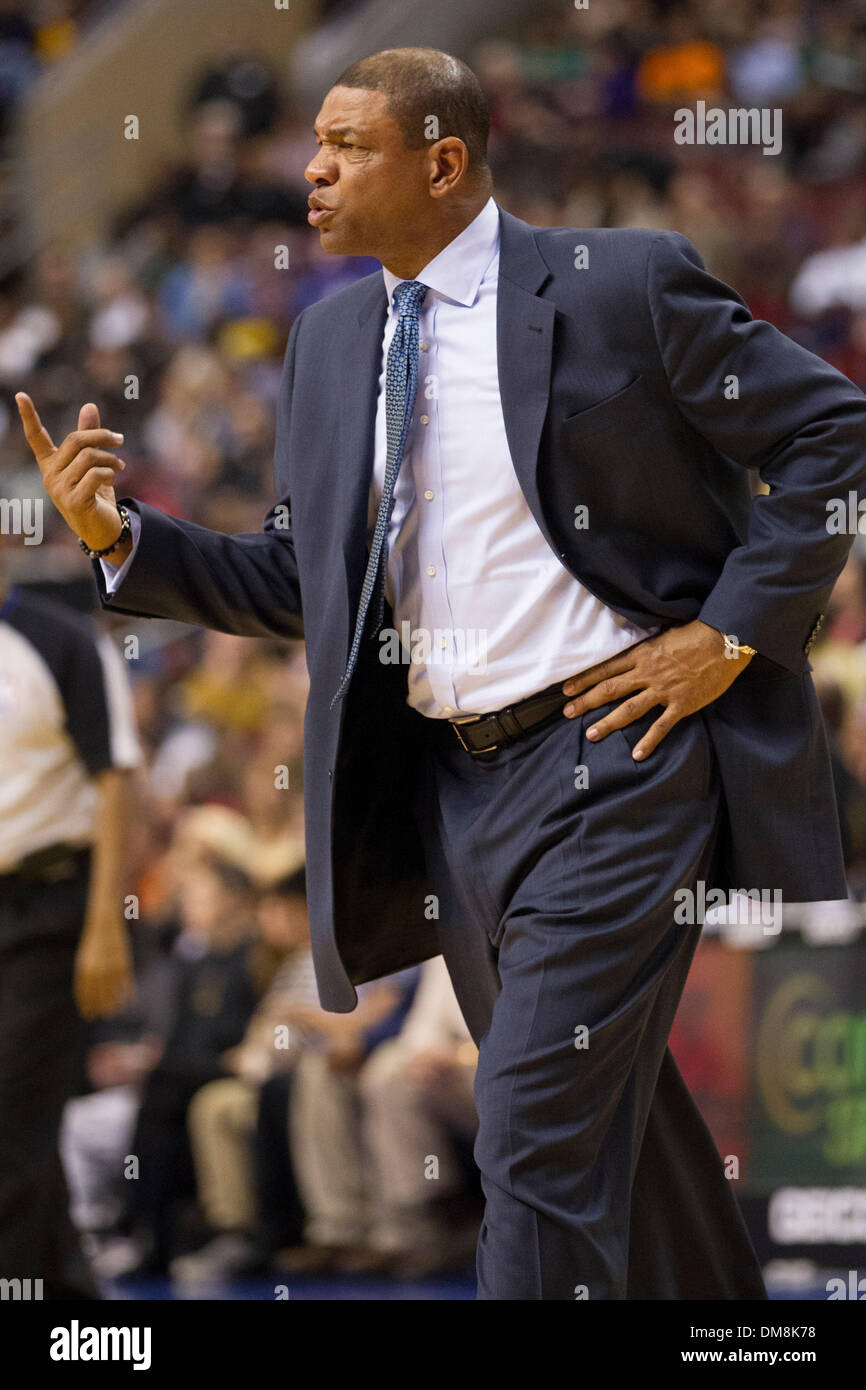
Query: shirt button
x,y
447,709
425,419
431,570
424,346
443,641
429,495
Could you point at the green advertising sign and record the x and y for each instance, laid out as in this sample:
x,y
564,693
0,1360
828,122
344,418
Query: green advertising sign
x,y
807,1061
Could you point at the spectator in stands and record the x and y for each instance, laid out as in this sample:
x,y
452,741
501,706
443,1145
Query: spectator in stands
x,y
18,63
417,1094
243,80
835,276
242,1163
214,187
685,65
214,994
310,1060
325,1131
98,1127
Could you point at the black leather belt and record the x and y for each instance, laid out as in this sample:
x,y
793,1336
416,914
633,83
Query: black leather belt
x,y
483,735
52,864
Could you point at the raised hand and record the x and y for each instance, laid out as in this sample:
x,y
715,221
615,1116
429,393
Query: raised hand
x,y
79,473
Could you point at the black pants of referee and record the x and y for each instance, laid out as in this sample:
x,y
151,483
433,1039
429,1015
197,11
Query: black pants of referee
x,y
41,1048
556,864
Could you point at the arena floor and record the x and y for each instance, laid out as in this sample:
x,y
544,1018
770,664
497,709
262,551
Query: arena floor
x,y
308,1290
460,1288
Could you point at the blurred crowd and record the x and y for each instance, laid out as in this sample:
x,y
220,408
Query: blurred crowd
x,y
262,1133
34,35
175,326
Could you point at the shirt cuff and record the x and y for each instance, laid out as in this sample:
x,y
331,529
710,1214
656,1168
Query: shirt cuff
x,y
113,575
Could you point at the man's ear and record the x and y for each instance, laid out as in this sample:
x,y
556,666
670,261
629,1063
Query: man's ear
x,y
450,161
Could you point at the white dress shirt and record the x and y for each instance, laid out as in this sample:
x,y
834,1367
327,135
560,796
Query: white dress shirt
x,y
496,614
484,611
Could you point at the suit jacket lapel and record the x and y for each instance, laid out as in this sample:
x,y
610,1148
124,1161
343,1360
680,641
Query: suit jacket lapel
x,y
361,364
524,346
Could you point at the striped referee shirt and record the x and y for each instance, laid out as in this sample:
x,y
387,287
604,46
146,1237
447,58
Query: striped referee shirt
x,y
65,715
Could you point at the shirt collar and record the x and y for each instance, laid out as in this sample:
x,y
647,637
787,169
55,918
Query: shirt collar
x,y
457,271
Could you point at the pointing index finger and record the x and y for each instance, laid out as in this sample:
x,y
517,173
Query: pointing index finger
x,y
36,434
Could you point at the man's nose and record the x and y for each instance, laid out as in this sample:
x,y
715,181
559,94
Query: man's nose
x,y
319,170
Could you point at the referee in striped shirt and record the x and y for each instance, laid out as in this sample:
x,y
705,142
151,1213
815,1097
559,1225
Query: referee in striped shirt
x,y
67,744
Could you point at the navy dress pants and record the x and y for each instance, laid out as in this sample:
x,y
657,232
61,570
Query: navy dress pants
x,y
556,865
42,1044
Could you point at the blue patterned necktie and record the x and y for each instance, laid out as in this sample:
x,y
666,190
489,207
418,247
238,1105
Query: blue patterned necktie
x,y
401,380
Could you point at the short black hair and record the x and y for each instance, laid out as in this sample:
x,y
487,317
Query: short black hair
x,y
424,82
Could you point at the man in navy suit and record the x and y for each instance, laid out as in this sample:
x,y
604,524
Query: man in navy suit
x,y
559,677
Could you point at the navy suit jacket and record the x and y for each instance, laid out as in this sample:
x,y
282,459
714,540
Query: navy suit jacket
x,y
638,386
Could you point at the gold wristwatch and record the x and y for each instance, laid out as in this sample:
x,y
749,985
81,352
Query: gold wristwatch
x,y
732,645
